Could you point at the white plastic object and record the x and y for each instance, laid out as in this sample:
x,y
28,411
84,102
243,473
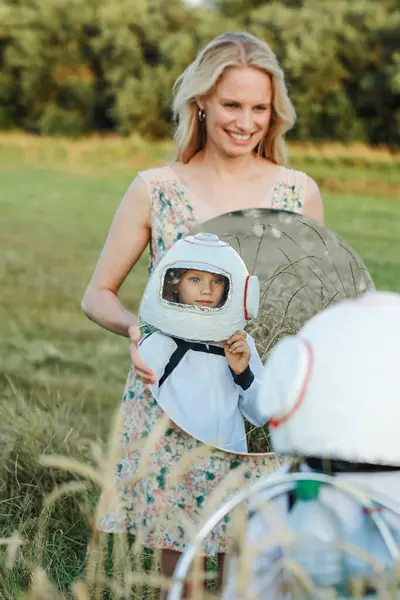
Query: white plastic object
x,y
205,252
333,390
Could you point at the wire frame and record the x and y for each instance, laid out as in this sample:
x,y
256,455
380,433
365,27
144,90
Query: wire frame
x,y
274,488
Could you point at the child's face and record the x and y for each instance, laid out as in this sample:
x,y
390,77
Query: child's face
x,y
200,288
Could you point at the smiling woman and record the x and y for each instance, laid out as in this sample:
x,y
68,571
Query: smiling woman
x,y
232,111
239,110
237,89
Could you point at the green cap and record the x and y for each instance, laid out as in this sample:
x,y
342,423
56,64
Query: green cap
x,y
307,490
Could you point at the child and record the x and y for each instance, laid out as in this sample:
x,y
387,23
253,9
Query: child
x,y
333,391
205,384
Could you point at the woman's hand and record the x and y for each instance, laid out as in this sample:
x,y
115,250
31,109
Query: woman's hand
x,y
237,352
142,371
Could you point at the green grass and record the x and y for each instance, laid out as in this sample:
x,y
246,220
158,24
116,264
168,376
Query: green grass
x,y
372,227
61,377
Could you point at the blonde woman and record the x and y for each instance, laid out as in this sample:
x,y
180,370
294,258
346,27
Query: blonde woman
x,y
232,111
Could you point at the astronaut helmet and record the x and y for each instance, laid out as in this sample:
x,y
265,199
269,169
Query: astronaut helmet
x,y
201,290
333,389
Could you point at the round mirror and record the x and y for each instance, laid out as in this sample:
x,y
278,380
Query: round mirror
x,y
218,302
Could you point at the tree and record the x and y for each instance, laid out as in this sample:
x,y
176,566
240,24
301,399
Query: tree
x,y
73,66
49,54
340,62
142,47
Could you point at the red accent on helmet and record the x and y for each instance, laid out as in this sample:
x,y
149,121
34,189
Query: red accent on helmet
x,y
274,423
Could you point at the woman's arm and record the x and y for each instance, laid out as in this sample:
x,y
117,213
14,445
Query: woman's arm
x,y
313,205
128,236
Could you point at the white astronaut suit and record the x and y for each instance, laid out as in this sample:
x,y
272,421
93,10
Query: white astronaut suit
x,y
333,394
195,386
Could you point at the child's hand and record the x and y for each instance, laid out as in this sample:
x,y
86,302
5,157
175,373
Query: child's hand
x,y
237,352
142,371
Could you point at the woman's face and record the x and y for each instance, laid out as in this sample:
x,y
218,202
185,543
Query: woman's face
x,y
201,288
238,112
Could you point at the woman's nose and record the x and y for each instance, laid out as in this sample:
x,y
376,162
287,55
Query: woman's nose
x,y
245,120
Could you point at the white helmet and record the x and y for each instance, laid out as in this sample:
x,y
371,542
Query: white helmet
x,y
334,388
203,252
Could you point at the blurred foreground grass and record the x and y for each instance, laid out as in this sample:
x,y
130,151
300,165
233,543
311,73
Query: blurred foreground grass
x,y
61,377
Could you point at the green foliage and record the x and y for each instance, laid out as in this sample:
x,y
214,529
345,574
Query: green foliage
x,y
142,47
73,66
340,62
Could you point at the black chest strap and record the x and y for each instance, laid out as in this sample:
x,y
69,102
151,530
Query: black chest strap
x,y
179,353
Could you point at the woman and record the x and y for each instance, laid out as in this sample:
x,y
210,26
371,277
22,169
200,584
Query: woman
x,y
232,111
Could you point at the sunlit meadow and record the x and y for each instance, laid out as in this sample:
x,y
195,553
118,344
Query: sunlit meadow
x,y
62,377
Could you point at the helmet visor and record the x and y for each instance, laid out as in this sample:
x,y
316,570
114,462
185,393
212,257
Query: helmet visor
x,y
195,286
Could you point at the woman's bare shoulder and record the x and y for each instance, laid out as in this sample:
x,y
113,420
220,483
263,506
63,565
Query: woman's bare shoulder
x,y
139,191
312,205
312,200
154,174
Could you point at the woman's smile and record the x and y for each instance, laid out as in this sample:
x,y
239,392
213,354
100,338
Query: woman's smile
x,y
242,139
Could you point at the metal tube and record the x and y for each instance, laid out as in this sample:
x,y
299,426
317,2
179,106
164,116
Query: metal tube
x,y
365,498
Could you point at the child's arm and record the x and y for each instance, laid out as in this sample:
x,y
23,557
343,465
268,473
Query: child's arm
x,y
249,381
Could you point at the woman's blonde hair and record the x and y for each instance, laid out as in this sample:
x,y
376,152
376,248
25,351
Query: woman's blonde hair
x,y
229,50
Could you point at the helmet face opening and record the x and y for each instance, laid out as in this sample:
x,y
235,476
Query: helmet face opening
x,y
195,288
200,290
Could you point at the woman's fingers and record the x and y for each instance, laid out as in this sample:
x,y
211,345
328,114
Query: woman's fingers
x,y
142,371
134,333
138,362
145,378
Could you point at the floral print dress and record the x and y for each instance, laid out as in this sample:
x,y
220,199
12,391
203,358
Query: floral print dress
x,y
161,508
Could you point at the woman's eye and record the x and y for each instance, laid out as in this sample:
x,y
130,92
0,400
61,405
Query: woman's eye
x,y
230,105
261,108
217,281
195,279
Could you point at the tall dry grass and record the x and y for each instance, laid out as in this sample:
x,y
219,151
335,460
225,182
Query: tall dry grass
x,y
130,577
97,150
349,168
48,507
302,269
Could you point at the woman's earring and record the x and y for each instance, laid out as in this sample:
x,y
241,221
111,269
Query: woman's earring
x,y
202,128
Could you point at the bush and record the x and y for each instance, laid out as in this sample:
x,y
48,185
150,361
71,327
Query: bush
x,y
60,121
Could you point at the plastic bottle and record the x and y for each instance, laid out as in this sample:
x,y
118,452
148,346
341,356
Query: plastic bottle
x,y
369,540
317,530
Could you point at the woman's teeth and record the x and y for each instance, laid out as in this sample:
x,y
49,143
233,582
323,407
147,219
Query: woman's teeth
x,y
238,136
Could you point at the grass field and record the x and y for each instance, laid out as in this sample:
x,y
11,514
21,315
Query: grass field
x,y
61,377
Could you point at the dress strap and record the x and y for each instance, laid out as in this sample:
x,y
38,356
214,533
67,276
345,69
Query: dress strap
x,y
157,175
298,181
171,213
289,191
